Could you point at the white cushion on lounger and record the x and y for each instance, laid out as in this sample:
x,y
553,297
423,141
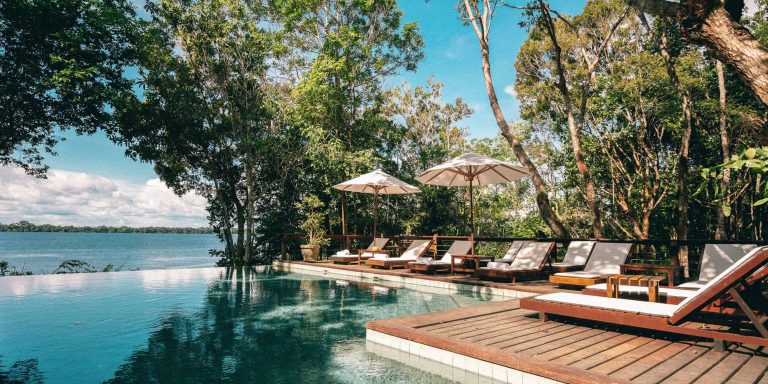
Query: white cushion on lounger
x,y
577,253
584,274
512,251
716,258
459,247
694,284
566,265
606,258
374,255
684,293
531,256
496,265
623,305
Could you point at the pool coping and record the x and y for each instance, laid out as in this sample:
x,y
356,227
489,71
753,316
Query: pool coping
x,y
418,282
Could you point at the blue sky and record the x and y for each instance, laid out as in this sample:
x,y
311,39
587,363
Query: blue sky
x,y
92,182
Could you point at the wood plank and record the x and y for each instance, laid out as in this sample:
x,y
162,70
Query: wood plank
x,y
550,338
579,345
611,353
519,336
630,357
696,368
724,369
670,366
584,333
650,361
489,334
473,323
751,371
472,329
583,353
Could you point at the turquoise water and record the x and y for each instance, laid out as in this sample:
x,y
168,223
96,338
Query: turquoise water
x,y
201,325
42,252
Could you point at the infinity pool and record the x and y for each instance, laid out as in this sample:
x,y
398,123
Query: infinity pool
x,y
201,325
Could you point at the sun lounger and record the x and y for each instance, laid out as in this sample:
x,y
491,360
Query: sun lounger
x,y
604,261
685,318
415,250
575,257
529,262
512,251
427,265
715,259
347,257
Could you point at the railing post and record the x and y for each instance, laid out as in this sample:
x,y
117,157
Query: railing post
x,y
283,247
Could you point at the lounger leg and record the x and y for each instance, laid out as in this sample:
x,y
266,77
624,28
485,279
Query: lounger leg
x,y
543,316
720,345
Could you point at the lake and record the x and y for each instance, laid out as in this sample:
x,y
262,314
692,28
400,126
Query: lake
x,y
43,252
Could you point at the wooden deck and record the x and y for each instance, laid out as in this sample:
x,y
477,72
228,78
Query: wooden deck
x,y
577,351
534,286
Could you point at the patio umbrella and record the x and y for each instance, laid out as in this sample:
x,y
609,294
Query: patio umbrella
x,y
377,183
471,169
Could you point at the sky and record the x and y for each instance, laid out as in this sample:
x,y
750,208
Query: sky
x,y
91,182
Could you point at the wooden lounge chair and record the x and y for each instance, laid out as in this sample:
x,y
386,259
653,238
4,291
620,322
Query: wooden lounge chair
x,y
427,265
417,249
361,254
529,262
575,257
715,259
512,251
685,318
604,261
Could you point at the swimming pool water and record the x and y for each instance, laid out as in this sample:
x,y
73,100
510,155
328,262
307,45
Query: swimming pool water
x,y
203,325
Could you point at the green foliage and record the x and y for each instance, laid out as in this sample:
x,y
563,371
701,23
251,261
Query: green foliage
x,y
752,161
80,266
62,66
7,270
313,223
25,226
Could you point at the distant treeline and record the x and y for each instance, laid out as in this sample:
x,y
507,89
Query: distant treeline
x,y
25,226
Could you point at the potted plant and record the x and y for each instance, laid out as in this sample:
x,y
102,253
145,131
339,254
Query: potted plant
x,y
312,209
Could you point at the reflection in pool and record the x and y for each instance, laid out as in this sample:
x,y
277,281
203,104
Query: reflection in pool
x,y
201,326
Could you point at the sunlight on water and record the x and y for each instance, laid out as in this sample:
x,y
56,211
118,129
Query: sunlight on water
x,y
202,325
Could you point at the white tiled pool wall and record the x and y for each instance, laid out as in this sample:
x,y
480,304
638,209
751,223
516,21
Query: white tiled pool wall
x,y
424,285
447,364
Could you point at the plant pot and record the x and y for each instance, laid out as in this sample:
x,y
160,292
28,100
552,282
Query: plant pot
x,y
310,252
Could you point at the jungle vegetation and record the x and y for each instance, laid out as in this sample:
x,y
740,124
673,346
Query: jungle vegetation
x,y
626,117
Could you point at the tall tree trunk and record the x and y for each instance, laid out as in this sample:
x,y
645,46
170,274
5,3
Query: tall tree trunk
x,y
720,231
481,23
708,23
574,127
682,158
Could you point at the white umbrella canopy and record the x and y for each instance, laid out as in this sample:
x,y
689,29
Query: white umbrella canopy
x,y
376,183
472,169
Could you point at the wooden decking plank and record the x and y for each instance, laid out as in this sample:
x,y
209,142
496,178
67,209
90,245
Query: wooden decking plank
x,y
464,321
514,333
724,369
670,366
583,353
696,368
611,353
751,371
476,324
536,332
547,339
630,357
579,345
498,332
650,361
471,329
582,334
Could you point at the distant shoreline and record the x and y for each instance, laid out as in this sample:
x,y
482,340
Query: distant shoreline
x,y
24,226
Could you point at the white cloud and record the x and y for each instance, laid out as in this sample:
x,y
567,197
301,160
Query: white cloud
x,y
510,90
75,198
456,47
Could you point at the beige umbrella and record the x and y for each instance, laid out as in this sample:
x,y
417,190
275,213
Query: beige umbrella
x,y
472,169
377,183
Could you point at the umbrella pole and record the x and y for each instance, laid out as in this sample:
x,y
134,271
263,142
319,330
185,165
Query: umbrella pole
x,y
375,210
471,207
343,211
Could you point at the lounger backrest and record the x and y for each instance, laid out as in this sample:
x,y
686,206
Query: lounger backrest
x,y
578,252
532,256
416,249
512,251
379,242
715,288
718,257
459,247
606,258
